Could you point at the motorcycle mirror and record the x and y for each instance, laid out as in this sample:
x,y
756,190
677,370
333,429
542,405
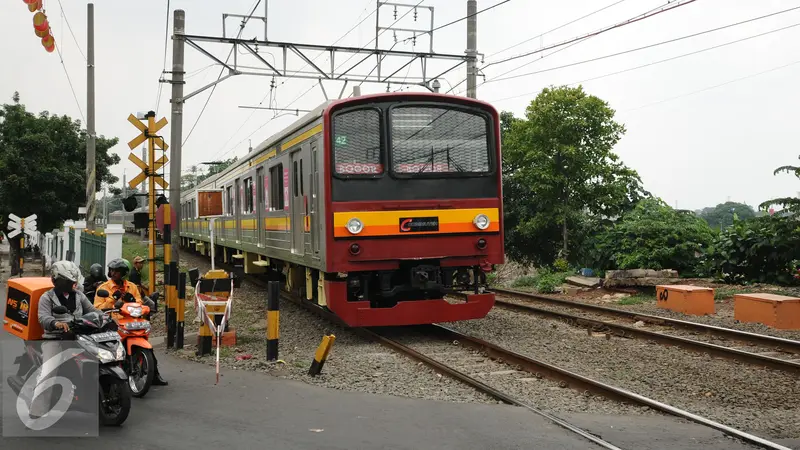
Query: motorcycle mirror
x,y
155,296
60,309
101,293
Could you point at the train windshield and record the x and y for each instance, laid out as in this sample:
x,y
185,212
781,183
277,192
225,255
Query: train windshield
x,y
413,150
428,139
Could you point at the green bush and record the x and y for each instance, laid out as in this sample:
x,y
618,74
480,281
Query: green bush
x,y
524,281
548,282
652,236
760,250
561,265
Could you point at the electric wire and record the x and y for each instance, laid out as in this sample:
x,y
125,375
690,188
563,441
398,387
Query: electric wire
x,y
556,28
725,44
75,96
222,70
164,66
669,41
670,5
64,15
714,86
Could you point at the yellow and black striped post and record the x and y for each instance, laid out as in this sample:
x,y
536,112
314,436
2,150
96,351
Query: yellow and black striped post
x,y
205,337
273,320
180,310
170,308
321,356
22,249
172,289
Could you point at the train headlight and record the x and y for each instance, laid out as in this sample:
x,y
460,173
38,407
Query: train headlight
x,y
481,221
354,226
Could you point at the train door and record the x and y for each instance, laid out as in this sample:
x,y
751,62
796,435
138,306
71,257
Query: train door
x,y
260,207
298,206
313,186
237,211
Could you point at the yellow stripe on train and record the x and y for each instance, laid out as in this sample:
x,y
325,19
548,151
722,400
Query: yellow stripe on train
x,y
395,223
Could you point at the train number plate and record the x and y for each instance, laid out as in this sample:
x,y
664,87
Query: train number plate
x,y
105,337
417,224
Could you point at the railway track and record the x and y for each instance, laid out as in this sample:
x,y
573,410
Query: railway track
x,y
523,365
767,346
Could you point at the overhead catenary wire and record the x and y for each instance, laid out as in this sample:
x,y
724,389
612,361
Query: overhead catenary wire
x,y
583,38
774,69
222,70
274,88
641,66
557,28
669,41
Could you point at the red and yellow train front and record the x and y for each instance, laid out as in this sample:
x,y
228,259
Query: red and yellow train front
x,y
414,208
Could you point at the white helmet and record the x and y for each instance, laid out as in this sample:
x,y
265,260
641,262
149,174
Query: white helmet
x,y
67,270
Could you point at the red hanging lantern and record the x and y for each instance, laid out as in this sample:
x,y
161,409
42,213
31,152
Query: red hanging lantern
x,y
34,5
40,22
41,34
49,43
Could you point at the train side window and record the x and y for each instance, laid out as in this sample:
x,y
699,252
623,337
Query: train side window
x,y
276,188
229,200
302,191
248,196
295,178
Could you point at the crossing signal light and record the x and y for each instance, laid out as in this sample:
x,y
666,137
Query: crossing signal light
x,y
130,203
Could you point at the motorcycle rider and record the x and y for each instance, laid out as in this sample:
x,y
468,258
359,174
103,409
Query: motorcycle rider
x,y
93,281
65,276
118,269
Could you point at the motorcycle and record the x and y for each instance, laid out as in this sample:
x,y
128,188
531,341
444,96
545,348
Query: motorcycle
x,y
134,331
97,335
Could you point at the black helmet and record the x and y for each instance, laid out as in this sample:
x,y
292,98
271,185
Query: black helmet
x,y
96,271
119,265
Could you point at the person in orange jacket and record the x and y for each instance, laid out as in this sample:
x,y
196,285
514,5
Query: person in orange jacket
x,y
118,270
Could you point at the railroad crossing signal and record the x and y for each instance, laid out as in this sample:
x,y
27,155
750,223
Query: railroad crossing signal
x,y
149,131
19,225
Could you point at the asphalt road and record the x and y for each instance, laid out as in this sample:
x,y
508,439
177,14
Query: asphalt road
x,y
255,411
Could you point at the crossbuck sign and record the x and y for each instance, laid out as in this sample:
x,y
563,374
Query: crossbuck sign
x,y
19,225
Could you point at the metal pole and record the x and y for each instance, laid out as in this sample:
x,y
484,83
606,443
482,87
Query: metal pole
x,y
266,18
105,207
472,47
177,126
90,149
211,226
151,200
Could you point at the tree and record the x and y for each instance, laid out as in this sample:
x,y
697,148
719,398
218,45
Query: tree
x,y
653,236
722,215
43,165
559,168
790,204
763,250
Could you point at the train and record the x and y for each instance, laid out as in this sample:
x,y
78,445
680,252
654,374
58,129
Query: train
x,y
386,209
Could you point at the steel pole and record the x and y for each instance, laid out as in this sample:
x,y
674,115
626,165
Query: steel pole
x,y
90,133
176,134
472,48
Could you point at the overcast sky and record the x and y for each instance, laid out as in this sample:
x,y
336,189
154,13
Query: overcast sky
x,y
701,129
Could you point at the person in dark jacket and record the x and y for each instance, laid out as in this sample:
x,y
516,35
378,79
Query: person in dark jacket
x,y
65,276
96,278
135,276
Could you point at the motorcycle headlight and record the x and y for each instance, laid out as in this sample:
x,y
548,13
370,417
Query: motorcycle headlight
x,y
354,226
106,356
140,325
134,311
120,352
481,221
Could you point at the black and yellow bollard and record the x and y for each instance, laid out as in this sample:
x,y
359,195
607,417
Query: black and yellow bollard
x,y
180,311
218,284
323,351
273,320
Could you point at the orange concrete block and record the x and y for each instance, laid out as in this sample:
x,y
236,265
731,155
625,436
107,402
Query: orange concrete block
x,y
694,300
228,338
776,311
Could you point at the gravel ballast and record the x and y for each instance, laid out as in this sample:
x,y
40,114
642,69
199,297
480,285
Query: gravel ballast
x,y
355,364
761,401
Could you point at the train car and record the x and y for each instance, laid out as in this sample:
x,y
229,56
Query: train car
x,y
375,207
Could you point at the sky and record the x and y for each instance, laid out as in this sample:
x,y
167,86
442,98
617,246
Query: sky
x,y
700,129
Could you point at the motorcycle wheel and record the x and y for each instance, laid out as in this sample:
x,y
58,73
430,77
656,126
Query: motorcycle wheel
x,y
115,402
142,371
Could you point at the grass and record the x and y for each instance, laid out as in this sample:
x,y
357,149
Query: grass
x,y
728,292
638,299
544,282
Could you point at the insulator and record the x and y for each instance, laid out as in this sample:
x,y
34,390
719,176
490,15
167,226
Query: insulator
x,y
395,13
415,14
